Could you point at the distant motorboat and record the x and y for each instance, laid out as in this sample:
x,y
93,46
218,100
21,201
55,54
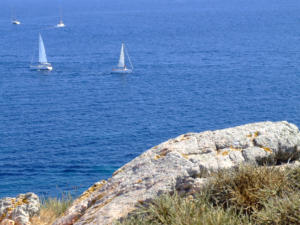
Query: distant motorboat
x,y
121,67
16,22
43,64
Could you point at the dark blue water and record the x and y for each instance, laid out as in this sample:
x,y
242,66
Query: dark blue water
x,y
206,64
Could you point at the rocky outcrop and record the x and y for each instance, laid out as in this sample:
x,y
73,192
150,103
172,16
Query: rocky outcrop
x,y
19,210
183,163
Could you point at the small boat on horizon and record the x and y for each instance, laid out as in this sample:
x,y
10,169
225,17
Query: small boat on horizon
x,y
15,22
43,64
14,19
61,23
121,67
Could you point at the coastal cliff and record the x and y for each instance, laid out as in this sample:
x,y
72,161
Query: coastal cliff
x,y
183,164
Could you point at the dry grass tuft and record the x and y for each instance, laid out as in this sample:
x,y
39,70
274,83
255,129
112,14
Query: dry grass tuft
x,y
243,196
281,211
247,187
176,210
51,209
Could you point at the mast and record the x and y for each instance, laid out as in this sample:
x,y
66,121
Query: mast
x,y
60,14
42,51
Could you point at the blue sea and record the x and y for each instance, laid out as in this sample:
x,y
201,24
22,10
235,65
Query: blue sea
x,y
199,65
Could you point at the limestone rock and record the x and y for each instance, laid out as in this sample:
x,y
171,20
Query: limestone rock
x,y
19,209
7,222
183,163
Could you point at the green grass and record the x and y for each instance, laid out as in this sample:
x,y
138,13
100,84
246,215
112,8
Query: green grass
x,y
246,195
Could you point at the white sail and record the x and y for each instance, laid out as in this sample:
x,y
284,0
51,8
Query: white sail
x,y
122,57
42,51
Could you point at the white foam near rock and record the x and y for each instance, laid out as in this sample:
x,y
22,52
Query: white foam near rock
x,y
181,163
19,210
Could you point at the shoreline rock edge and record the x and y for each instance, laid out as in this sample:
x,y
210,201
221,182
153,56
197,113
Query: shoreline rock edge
x,y
179,164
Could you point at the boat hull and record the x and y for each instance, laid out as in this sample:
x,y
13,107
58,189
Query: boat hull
x,y
42,67
60,25
121,71
16,22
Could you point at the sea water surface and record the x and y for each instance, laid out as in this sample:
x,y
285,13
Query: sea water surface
x,y
199,65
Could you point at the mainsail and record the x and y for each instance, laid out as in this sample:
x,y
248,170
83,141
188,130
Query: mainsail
x,y
122,58
42,51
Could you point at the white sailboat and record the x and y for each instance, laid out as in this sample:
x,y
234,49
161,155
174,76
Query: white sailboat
x,y
43,62
61,23
121,67
14,20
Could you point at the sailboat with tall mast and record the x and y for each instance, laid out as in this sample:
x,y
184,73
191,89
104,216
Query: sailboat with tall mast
x,y
61,23
14,19
43,62
121,67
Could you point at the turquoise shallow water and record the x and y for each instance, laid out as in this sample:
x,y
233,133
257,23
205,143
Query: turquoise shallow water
x,y
199,65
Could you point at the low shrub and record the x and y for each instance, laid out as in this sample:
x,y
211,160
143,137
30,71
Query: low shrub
x,y
246,187
176,210
280,211
247,195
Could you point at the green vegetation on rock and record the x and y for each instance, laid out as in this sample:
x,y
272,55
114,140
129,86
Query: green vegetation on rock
x,y
245,195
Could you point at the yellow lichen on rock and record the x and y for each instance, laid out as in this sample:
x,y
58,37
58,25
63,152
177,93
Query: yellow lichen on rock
x,y
185,156
162,153
267,149
156,157
254,135
118,171
225,153
91,190
139,181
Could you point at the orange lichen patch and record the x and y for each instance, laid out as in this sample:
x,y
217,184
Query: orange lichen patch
x,y
267,149
9,210
225,153
139,181
185,156
254,135
156,157
92,189
18,203
25,201
118,171
2,217
162,153
15,203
